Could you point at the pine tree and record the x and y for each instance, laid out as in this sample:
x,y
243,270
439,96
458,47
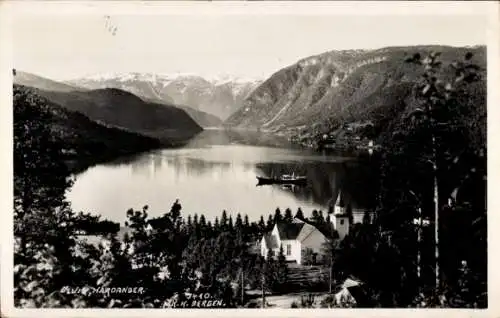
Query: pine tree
x,y
262,225
329,251
282,271
270,223
247,229
269,270
277,216
203,221
209,231
175,213
300,214
246,222
224,220
321,218
216,225
239,222
288,216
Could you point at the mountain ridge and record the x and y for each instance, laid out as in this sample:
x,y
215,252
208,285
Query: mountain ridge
x,y
85,141
122,109
36,81
339,87
219,96
48,85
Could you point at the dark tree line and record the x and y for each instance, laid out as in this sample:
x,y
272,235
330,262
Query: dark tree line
x,y
433,168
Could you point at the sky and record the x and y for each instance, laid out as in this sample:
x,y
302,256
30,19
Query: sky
x,y
63,46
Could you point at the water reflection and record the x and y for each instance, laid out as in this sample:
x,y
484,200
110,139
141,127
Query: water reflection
x,y
216,172
324,179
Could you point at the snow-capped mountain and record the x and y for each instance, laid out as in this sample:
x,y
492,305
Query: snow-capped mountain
x,y
217,95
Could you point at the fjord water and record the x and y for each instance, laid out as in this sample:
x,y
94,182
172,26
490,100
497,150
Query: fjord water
x,y
217,171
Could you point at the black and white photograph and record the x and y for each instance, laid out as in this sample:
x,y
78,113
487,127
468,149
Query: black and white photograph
x,y
251,156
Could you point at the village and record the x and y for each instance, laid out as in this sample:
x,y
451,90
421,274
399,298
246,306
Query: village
x,y
310,280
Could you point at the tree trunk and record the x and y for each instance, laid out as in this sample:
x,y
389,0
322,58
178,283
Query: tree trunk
x,y
263,292
419,243
436,210
242,288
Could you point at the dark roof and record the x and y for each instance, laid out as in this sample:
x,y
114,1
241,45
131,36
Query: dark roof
x,y
289,231
270,240
323,228
361,297
357,290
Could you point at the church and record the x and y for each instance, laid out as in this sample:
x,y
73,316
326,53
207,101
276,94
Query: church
x,y
302,235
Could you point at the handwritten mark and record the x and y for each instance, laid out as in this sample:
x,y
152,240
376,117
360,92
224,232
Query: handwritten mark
x,y
108,25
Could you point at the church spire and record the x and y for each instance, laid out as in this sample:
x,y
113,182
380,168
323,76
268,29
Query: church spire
x,y
340,200
341,207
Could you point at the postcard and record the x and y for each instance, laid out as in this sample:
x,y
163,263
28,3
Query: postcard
x,y
242,158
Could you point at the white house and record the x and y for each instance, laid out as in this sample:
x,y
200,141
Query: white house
x,y
298,236
294,238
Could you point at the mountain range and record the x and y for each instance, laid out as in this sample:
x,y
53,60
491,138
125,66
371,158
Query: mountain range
x,y
219,96
350,87
333,91
47,85
114,108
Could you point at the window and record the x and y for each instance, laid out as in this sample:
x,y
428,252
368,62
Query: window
x,y
342,222
289,249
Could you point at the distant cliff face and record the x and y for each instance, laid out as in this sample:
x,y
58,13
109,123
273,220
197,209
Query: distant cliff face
x,y
342,86
217,96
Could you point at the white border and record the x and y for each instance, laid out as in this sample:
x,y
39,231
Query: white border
x,y
7,8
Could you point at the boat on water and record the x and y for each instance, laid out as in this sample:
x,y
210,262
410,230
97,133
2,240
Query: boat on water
x,y
285,179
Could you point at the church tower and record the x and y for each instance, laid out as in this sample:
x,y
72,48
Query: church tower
x,y
341,216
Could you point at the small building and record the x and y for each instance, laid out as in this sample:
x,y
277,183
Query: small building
x,y
295,238
352,294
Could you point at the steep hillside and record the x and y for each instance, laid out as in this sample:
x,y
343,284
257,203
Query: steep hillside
x,y
217,96
121,109
203,119
340,87
32,80
84,140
